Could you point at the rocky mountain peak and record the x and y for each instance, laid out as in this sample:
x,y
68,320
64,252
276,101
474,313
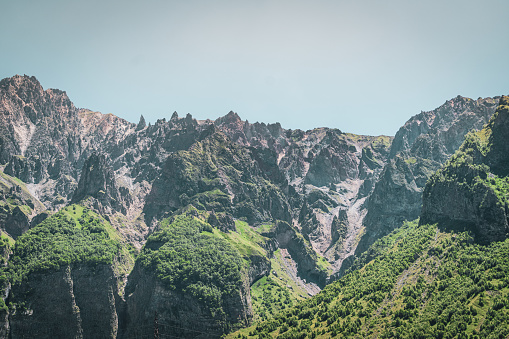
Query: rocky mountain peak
x,y
443,128
420,147
232,117
21,82
23,101
230,120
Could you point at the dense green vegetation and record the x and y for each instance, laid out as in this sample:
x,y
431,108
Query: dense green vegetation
x,y
416,282
73,235
269,296
188,257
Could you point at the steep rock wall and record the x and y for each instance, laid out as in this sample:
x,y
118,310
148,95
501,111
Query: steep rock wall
x,y
471,192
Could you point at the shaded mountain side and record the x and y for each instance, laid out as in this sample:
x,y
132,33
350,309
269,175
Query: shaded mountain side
x,y
218,175
420,147
98,182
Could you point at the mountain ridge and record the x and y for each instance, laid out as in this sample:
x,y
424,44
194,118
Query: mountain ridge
x,y
294,208
443,275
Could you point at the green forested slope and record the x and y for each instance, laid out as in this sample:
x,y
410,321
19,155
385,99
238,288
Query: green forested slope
x,y
417,282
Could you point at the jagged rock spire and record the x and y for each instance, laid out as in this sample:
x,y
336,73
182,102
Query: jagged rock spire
x,y
98,181
142,124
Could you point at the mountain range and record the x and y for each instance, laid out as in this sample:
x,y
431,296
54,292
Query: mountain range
x,y
198,228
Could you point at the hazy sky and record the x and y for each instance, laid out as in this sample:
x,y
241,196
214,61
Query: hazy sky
x,y
360,66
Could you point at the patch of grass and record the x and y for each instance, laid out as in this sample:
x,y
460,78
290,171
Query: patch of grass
x,y
269,296
246,240
6,238
411,160
382,141
265,228
277,265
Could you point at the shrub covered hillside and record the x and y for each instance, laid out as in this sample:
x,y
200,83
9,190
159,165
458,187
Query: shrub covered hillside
x,y
186,256
417,282
193,277
75,235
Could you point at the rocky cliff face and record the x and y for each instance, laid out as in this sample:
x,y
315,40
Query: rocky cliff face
x,y
46,139
471,191
419,148
98,182
180,314
343,167
19,209
85,299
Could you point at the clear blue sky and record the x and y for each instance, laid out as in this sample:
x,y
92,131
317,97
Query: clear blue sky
x,y
360,66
